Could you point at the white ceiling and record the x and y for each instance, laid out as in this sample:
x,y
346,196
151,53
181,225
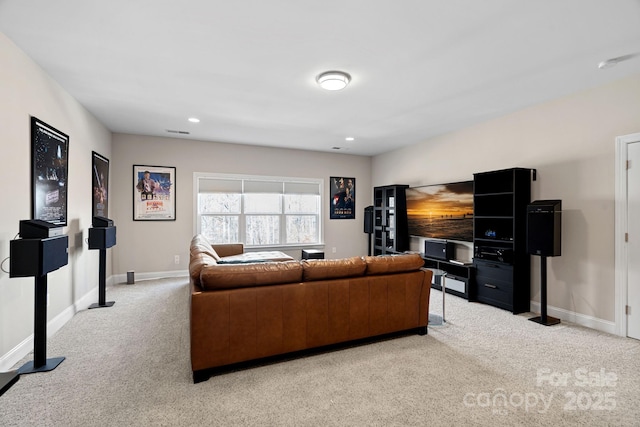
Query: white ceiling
x,y
247,68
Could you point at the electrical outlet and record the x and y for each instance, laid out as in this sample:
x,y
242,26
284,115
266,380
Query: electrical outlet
x,y
333,250
176,259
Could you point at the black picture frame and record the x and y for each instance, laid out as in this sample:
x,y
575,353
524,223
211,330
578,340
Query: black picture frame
x,y
155,198
342,198
49,173
99,185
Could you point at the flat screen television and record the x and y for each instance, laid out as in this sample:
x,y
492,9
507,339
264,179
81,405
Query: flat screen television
x,y
441,211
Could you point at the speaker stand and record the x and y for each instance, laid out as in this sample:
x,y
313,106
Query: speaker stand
x,y
543,319
102,285
40,362
369,243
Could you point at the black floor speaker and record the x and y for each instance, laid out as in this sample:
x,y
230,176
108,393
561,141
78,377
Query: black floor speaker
x,y
544,227
368,219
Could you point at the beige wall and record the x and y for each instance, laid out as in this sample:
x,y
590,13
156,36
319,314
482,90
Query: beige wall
x,y
147,246
25,90
571,142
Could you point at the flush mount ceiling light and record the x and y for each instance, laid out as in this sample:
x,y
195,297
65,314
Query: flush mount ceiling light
x,y
333,80
194,120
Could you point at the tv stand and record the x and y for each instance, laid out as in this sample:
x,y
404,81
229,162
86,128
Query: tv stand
x,y
459,275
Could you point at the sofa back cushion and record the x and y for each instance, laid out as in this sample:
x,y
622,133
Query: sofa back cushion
x,y
200,244
386,264
228,249
229,276
323,269
201,255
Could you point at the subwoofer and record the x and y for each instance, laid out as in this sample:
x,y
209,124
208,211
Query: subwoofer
x,y
544,227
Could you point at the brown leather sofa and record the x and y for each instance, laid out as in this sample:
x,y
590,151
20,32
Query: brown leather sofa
x,y
250,311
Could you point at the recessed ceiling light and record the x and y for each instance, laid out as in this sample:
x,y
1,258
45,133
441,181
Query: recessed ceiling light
x,y
333,80
349,138
194,120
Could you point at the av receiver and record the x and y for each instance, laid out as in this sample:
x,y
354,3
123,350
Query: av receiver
x,y
490,253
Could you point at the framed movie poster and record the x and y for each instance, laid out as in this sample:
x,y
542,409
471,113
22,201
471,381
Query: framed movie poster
x,y
100,185
49,173
154,193
343,198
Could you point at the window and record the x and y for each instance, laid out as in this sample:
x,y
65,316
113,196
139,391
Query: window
x,y
258,211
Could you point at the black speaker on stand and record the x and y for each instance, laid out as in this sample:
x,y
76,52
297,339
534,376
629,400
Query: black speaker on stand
x,y
544,231
368,226
41,249
102,236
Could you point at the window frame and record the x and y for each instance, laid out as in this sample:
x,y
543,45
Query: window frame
x,y
198,176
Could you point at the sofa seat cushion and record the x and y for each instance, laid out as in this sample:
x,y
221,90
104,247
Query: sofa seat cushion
x,y
255,257
385,264
321,269
229,276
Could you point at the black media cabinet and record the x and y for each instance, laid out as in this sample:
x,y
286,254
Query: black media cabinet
x,y
462,273
390,222
499,238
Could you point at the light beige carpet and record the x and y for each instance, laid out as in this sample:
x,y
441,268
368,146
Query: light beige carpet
x,y
128,365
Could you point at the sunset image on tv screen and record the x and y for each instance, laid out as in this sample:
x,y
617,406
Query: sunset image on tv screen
x,y
443,211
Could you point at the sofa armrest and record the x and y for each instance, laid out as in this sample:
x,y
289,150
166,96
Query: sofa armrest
x,y
228,249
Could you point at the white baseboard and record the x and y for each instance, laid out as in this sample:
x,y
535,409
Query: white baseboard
x,y
16,354
577,318
7,361
122,278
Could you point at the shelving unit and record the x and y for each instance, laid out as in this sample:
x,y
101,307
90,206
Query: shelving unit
x,y
459,276
502,265
390,224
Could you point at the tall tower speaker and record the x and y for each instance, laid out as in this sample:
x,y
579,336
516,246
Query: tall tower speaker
x,y
368,219
544,227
